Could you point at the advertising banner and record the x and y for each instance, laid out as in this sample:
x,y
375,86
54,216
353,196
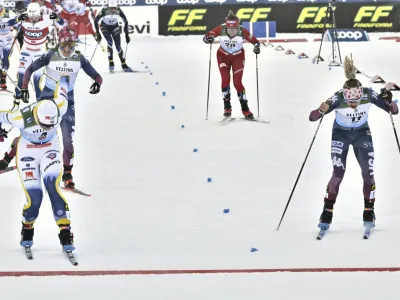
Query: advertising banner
x,y
218,2
346,35
289,18
174,20
142,20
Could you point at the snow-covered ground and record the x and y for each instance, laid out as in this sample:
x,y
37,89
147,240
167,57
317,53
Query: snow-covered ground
x,y
153,209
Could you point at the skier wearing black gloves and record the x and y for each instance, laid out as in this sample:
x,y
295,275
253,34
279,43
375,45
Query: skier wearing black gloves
x,y
111,31
63,59
352,104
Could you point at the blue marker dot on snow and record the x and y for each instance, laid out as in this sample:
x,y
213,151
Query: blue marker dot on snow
x,y
209,179
195,150
156,83
330,68
172,107
151,73
226,210
253,249
182,126
164,93
146,67
142,62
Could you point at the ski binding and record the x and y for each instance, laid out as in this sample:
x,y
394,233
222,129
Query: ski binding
x,y
226,120
28,252
71,256
368,227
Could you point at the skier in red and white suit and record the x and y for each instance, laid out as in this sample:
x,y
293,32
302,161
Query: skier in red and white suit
x,y
82,16
46,7
68,13
35,28
230,55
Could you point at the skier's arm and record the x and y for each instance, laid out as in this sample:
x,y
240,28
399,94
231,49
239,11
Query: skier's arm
x,y
44,60
387,105
123,17
209,37
48,5
89,70
329,105
12,14
12,118
59,21
249,37
97,20
13,21
215,32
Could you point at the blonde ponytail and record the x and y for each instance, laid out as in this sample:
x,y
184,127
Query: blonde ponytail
x,y
349,68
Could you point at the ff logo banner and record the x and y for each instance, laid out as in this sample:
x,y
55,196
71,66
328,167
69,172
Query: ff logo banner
x,y
251,14
187,20
313,17
373,17
178,20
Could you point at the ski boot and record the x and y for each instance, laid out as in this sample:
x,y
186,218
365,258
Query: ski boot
x,y
245,107
327,214
3,83
126,68
248,114
27,236
111,66
227,102
369,214
227,112
5,162
66,239
67,177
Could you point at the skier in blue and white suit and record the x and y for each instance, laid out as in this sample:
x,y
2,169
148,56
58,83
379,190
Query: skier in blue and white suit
x,y
63,59
350,127
109,17
38,157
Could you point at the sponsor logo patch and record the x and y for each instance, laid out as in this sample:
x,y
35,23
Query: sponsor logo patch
x,y
27,158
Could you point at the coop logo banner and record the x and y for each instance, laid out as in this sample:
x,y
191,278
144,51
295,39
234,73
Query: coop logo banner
x,y
374,17
347,35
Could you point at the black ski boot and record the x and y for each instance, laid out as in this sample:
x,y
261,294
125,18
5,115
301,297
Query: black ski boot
x,y
327,214
126,68
67,177
67,239
245,107
227,102
111,66
27,236
123,62
369,214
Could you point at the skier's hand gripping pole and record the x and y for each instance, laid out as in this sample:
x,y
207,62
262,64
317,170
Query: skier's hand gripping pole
x,y
387,96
